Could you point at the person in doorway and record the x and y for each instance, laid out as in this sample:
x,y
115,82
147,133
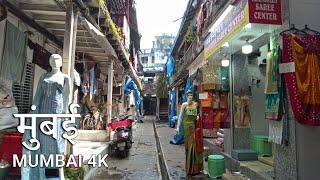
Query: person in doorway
x,y
193,143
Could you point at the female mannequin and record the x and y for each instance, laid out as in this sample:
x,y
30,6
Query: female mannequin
x,y
51,97
189,116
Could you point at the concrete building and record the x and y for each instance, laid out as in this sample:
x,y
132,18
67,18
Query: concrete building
x,y
154,59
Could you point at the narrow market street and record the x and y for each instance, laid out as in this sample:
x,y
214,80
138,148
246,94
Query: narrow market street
x,y
142,161
159,89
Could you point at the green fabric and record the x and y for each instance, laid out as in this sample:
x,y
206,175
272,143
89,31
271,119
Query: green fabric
x,y
14,55
273,89
194,160
191,110
224,79
272,73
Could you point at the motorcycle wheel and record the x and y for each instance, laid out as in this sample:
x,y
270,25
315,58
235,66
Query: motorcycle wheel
x,y
123,154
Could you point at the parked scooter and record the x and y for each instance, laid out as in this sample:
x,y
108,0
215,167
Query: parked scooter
x,y
121,135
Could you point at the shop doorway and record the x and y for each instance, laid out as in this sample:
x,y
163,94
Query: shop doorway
x,y
149,105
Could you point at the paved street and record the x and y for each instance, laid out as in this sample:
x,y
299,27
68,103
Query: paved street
x,y
174,155
142,162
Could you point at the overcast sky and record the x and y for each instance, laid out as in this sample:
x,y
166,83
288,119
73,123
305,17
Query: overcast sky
x,y
156,17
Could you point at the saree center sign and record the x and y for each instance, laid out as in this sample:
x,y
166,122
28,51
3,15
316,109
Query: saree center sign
x,y
265,11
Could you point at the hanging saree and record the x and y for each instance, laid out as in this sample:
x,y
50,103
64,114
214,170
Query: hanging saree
x,y
272,73
273,89
194,156
303,84
207,117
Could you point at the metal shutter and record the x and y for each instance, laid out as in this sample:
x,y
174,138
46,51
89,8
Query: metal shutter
x,y
23,91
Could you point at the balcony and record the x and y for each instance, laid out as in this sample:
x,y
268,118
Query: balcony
x,y
213,14
190,55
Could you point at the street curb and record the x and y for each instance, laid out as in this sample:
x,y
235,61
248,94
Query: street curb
x,y
89,170
158,161
163,168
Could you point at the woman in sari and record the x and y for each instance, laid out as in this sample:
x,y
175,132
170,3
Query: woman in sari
x,y
193,145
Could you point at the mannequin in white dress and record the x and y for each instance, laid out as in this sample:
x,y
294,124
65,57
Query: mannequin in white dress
x,y
52,97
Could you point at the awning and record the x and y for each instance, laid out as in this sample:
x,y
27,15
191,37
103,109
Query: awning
x,y
99,37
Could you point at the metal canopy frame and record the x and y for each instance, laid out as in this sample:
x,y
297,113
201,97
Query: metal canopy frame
x,y
47,17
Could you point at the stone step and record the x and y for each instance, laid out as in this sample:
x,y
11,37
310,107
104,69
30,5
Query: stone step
x,y
267,160
88,149
93,135
232,176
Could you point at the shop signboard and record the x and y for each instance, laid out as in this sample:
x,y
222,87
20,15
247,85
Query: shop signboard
x,y
243,12
231,24
265,11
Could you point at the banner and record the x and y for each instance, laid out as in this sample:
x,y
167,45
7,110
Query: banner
x,y
265,11
231,24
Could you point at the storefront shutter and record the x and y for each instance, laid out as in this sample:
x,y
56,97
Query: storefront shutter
x,y
23,91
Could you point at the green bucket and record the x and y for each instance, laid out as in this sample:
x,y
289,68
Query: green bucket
x,y
262,146
216,166
4,169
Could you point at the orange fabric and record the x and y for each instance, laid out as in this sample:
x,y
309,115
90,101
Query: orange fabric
x,y
307,73
224,101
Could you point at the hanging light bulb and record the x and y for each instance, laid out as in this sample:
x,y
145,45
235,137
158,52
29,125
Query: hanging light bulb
x,y
247,48
225,61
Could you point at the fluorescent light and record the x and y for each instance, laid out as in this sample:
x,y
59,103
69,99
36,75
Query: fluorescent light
x,y
221,18
225,62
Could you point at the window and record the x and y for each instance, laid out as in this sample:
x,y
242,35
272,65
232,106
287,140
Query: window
x,y
22,93
150,80
153,59
144,60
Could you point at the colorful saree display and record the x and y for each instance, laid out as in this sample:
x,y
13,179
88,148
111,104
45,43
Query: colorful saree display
x,y
303,84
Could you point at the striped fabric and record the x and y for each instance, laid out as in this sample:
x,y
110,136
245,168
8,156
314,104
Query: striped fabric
x,y
52,93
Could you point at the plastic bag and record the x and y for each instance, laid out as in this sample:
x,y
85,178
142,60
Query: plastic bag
x,y
6,118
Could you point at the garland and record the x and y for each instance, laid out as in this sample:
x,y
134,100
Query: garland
x,y
115,29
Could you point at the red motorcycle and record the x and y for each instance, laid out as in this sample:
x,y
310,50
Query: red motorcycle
x,y
120,136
